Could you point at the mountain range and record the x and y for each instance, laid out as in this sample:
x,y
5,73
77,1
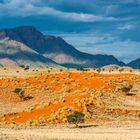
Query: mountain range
x,y
135,64
26,45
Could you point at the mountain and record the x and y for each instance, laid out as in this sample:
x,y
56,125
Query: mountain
x,y
135,64
14,53
56,49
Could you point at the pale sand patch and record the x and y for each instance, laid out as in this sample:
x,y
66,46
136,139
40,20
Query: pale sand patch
x,y
91,133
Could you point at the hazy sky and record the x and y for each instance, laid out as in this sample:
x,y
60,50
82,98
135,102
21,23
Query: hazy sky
x,y
94,26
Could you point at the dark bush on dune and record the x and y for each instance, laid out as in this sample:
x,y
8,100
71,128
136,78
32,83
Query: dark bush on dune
x,y
75,118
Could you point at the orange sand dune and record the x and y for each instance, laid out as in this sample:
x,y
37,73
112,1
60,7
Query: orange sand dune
x,y
54,94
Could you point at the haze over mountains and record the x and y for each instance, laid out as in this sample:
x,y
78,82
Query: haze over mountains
x,y
25,45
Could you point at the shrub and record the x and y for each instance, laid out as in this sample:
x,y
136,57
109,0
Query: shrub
x,y
126,89
26,68
22,66
121,70
75,118
67,90
81,69
21,94
17,90
61,70
99,70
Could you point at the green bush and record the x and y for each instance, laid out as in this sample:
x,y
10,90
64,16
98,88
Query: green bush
x,y
22,66
26,68
99,70
61,70
75,118
67,90
22,95
126,89
81,69
18,90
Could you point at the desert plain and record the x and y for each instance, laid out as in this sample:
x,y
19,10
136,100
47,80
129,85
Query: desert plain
x,y
35,103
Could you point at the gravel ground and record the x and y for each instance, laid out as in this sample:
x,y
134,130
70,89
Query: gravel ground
x,y
90,133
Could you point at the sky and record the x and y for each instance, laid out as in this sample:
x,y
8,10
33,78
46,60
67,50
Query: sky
x,y
94,26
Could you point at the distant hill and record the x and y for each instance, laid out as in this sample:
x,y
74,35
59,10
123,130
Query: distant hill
x,y
55,48
13,53
135,64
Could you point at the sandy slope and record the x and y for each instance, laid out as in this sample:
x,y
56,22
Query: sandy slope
x,y
64,133
91,133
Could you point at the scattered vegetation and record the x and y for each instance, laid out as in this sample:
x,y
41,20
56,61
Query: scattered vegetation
x,y
126,89
82,69
61,70
67,90
18,90
121,70
99,70
75,118
93,97
26,68
22,66
21,94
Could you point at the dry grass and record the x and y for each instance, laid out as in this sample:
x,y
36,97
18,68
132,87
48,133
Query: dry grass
x,y
57,93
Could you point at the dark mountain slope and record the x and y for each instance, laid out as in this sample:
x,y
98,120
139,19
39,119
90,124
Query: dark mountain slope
x,y
135,64
16,53
56,48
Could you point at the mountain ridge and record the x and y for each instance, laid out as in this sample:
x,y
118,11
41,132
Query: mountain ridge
x,y
15,53
135,63
56,48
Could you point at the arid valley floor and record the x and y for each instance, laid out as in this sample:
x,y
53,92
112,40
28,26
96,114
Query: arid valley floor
x,y
35,103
